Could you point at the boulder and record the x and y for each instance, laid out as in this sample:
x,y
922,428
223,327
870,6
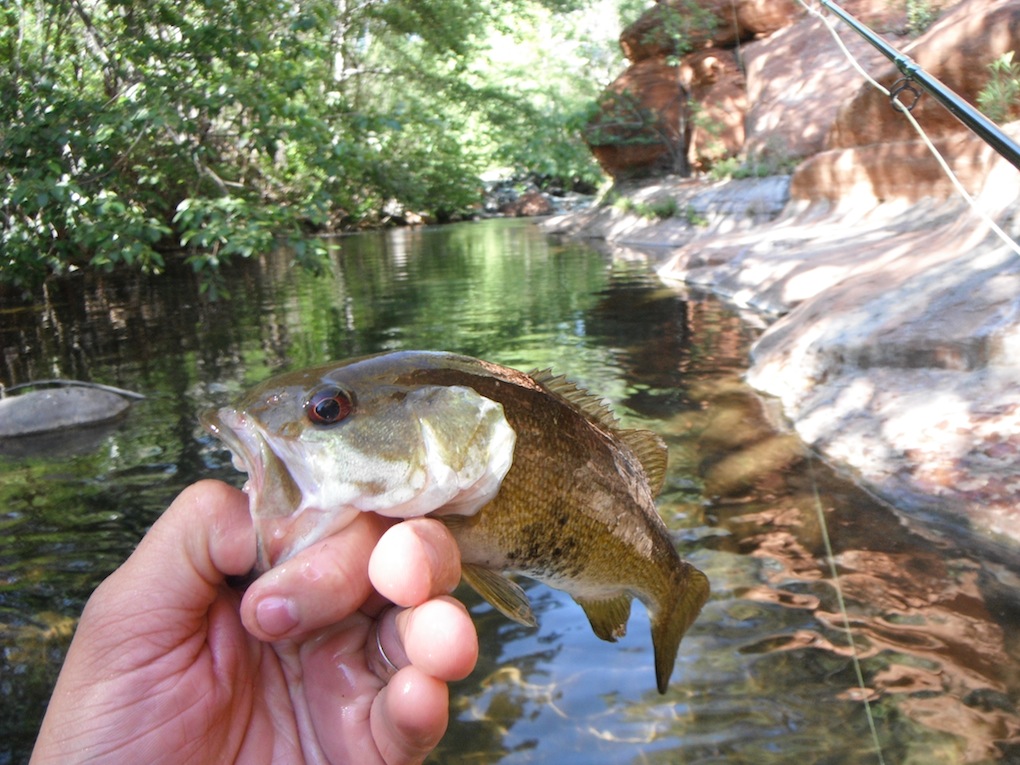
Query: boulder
x,y
58,409
528,204
716,84
904,170
888,19
638,130
675,26
956,50
647,126
802,95
874,154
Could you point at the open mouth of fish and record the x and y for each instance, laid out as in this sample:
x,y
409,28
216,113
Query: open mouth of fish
x,y
245,447
282,501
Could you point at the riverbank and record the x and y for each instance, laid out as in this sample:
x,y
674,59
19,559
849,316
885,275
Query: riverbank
x,y
893,339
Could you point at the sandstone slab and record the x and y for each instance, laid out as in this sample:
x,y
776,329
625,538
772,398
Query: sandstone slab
x,y
904,170
705,210
797,82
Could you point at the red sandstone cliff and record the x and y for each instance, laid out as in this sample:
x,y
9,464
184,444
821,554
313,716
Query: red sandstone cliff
x,y
762,80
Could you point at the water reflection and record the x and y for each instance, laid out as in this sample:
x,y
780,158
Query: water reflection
x,y
766,674
938,668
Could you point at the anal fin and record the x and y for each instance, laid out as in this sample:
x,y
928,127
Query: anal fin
x,y
504,595
608,616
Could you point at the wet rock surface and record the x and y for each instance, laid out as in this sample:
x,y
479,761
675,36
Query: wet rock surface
x,y
904,371
893,342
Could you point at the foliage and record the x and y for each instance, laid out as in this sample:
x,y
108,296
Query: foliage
x,y
542,74
921,14
624,120
756,165
132,129
656,209
999,99
661,208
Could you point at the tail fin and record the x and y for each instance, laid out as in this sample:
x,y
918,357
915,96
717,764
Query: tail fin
x,y
688,594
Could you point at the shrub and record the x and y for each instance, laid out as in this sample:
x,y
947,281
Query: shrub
x,y
999,99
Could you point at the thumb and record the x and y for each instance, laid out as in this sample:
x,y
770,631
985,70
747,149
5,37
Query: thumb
x,y
206,533
204,536
160,596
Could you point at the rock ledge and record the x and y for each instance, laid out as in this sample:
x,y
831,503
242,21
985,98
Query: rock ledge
x,y
894,337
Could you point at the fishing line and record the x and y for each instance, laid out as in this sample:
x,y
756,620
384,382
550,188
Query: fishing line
x,y
831,559
905,111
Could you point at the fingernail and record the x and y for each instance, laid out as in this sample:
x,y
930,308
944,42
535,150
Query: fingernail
x,y
276,615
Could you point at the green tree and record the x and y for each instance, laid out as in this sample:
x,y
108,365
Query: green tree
x,y
131,128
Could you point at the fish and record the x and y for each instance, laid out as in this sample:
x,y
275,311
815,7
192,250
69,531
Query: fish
x,y
533,476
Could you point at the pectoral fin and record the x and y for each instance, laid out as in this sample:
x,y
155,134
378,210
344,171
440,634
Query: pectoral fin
x,y
608,617
504,595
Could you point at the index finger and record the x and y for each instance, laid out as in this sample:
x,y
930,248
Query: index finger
x,y
321,585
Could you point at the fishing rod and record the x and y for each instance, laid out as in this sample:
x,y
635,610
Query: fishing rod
x,y
983,127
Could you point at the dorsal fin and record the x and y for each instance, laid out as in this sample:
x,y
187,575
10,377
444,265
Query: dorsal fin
x,y
646,445
589,404
651,453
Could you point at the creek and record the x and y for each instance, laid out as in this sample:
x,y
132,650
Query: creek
x,y
766,675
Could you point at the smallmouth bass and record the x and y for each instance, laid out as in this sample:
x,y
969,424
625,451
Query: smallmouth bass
x,y
531,474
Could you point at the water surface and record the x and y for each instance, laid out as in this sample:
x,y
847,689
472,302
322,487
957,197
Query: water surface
x,y
766,675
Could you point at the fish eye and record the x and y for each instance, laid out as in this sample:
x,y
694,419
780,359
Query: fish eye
x,y
328,406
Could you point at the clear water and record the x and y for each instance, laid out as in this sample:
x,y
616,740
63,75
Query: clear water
x,y
766,675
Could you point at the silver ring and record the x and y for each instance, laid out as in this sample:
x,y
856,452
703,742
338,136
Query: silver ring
x,y
387,661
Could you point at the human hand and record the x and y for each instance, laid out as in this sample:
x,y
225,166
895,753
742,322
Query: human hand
x,y
171,665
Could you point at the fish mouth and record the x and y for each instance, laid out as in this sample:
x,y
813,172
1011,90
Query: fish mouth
x,y
251,454
243,442
283,506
